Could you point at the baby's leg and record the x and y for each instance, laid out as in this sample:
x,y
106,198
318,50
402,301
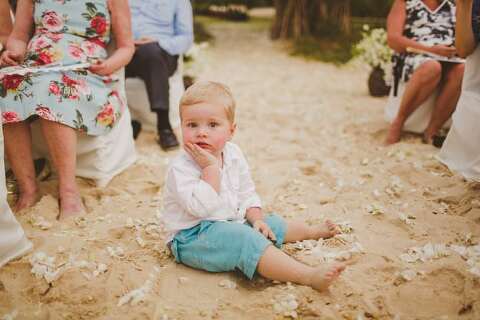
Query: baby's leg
x,y
277,265
299,231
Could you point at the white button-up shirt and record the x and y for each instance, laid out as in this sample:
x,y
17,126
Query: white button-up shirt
x,y
188,200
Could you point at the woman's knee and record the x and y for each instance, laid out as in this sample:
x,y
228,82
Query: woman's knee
x,y
429,71
456,72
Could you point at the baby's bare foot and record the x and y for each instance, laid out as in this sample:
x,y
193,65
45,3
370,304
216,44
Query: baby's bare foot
x,y
25,200
327,230
324,276
70,205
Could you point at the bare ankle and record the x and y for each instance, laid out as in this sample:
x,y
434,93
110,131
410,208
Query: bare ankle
x,y
324,276
25,199
70,202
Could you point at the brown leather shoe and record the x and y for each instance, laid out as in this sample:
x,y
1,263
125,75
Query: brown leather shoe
x,y
167,139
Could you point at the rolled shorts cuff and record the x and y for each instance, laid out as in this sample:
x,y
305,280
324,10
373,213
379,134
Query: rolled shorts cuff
x,y
279,228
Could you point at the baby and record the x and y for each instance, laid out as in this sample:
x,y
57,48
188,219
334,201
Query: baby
x,y
212,210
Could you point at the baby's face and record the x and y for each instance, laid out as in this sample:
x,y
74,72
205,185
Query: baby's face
x,y
206,125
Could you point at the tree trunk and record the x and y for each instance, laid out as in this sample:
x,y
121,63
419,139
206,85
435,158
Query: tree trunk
x,y
280,6
297,18
341,15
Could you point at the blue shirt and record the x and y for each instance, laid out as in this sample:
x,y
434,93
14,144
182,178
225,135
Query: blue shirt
x,y
170,22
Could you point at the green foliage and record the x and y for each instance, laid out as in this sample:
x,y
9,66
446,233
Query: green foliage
x,y
329,44
371,8
201,4
337,52
201,34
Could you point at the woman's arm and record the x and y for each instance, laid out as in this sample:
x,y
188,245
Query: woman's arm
x,y
398,42
5,22
464,38
17,41
121,29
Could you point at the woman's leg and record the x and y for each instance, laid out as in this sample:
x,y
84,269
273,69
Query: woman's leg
x,y
277,265
447,99
62,144
421,85
18,147
299,231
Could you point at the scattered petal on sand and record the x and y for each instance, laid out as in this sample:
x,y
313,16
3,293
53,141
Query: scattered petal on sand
x,y
407,218
375,210
10,316
140,241
136,296
376,193
286,305
428,252
227,284
345,226
472,255
129,223
116,252
40,222
183,280
405,276
45,267
328,254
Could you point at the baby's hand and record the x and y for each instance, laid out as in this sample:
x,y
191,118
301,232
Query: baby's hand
x,y
202,157
264,229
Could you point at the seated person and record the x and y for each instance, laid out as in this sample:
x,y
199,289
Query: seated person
x,y
65,102
461,150
212,210
162,30
422,32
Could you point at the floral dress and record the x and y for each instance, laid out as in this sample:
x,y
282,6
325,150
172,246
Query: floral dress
x,y
427,27
67,33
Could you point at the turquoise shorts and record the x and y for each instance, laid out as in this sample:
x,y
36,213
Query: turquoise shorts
x,y
219,246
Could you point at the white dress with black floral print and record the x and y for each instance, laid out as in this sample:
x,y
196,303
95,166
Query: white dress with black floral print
x,y
428,27
67,32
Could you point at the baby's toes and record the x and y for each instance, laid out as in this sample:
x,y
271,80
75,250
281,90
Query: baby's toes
x,y
332,227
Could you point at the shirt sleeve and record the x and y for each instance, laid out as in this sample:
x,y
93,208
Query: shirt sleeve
x,y
194,195
247,195
183,30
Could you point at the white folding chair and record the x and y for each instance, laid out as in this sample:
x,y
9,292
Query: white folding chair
x,y
13,242
140,106
419,119
99,158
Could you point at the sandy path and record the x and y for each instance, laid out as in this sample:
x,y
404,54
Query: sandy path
x,y
313,137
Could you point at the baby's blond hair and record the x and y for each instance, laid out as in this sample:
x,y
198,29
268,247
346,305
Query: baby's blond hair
x,y
211,92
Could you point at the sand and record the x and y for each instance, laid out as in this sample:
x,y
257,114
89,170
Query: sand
x,y
313,138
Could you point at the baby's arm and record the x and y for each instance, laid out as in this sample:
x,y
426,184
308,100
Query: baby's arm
x,y
208,163
254,216
121,29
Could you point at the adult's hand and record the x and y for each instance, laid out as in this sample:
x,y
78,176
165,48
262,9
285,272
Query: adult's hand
x,y
444,51
102,68
11,57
